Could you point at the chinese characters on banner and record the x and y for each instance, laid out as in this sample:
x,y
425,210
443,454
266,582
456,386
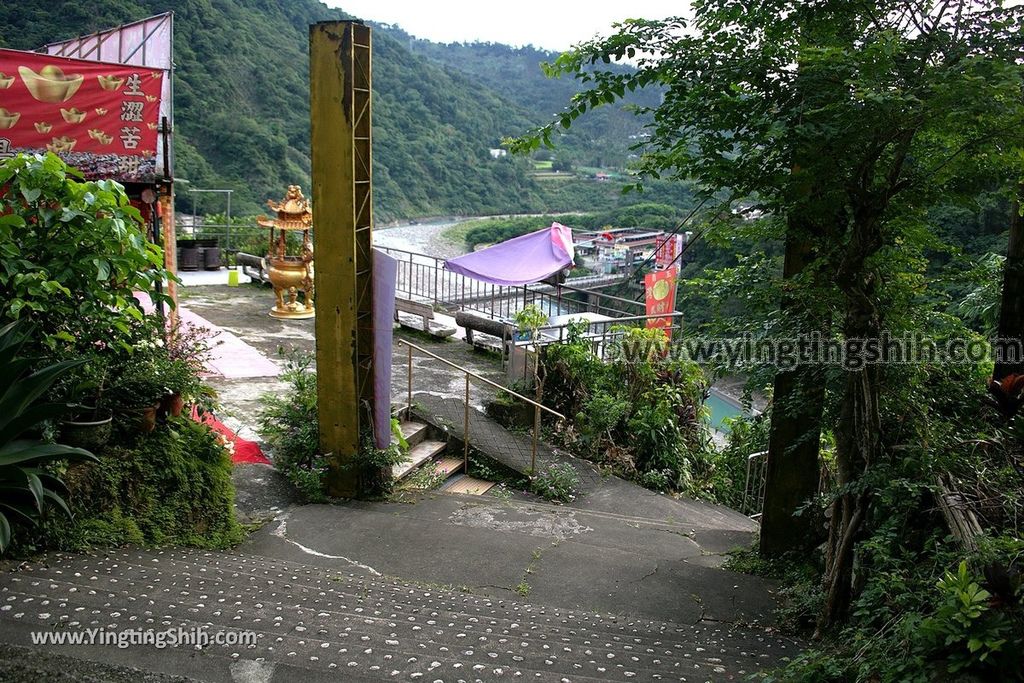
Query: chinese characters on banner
x,y
660,293
668,249
100,118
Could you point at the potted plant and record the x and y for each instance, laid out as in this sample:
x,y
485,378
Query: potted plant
x,y
181,385
137,391
89,422
188,352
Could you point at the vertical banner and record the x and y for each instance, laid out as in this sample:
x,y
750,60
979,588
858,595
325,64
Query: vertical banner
x,y
385,274
660,294
669,248
101,118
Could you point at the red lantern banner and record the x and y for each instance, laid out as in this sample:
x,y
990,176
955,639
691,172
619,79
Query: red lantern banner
x,y
660,291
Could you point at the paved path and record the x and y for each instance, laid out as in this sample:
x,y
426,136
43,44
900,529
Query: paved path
x,y
313,624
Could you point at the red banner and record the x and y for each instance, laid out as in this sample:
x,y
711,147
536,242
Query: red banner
x,y
669,247
660,290
101,118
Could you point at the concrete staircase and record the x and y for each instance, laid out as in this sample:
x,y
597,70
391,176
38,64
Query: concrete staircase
x,y
423,449
316,624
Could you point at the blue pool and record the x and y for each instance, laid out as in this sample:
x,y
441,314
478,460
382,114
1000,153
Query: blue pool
x,y
721,407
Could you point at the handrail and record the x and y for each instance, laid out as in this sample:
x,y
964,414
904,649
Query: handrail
x,y
537,407
613,321
481,378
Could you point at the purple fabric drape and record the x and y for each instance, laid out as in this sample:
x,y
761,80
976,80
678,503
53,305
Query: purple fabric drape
x,y
519,261
385,274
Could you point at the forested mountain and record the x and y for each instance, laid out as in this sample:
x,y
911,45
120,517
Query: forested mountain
x,y
601,139
242,113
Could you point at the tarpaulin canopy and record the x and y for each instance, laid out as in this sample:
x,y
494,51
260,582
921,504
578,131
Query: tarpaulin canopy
x,y
520,260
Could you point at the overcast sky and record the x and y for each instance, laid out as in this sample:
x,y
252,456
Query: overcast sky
x,y
550,24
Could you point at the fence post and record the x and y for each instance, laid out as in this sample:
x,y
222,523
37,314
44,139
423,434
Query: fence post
x,y
536,435
465,433
408,405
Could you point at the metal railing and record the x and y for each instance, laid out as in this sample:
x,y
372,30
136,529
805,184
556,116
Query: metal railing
x,y
537,407
753,488
604,337
422,277
757,478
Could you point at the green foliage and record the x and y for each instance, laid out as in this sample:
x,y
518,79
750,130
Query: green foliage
x,y
289,425
965,626
374,467
426,478
70,252
727,471
557,483
530,318
27,488
641,417
482,467
170,487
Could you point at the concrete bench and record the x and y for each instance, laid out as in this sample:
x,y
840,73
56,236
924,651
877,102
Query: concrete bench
x,y
253,266
416,308
475,323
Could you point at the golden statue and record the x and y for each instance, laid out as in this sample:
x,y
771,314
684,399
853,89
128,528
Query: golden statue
x,y
290,274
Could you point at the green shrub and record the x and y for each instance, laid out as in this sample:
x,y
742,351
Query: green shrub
x,y
170,487
27,489
726,476
289,424
965,628
73,252
556,483
639,415
374,468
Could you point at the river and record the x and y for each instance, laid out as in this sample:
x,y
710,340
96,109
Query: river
x,y
423,238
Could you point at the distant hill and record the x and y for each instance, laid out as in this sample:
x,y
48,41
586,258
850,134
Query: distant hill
x,y
599,139
242,113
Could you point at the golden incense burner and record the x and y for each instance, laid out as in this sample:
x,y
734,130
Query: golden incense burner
x,y
290,274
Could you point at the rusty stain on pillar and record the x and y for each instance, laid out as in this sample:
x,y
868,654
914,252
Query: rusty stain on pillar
x,y
340,114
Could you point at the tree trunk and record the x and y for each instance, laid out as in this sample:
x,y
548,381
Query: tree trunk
x,y
793,443
1011,311
858,437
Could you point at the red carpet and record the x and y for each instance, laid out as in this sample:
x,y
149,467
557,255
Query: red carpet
x,y
244,451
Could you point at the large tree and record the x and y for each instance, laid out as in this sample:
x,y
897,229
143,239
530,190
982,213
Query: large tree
x,y
843,121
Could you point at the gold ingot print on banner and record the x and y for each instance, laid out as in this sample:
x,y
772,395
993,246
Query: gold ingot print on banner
x,y
110,83
73,115
8,119
51,84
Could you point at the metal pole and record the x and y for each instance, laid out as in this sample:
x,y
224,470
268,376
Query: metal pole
x,y
227,247
465,433
536,435
408,405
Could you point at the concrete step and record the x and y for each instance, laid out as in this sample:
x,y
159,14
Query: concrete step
x,y
363,626
449,465
463,483
419,454
413,432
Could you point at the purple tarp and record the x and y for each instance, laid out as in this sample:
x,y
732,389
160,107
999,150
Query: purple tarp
x,y
521,260
385,274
